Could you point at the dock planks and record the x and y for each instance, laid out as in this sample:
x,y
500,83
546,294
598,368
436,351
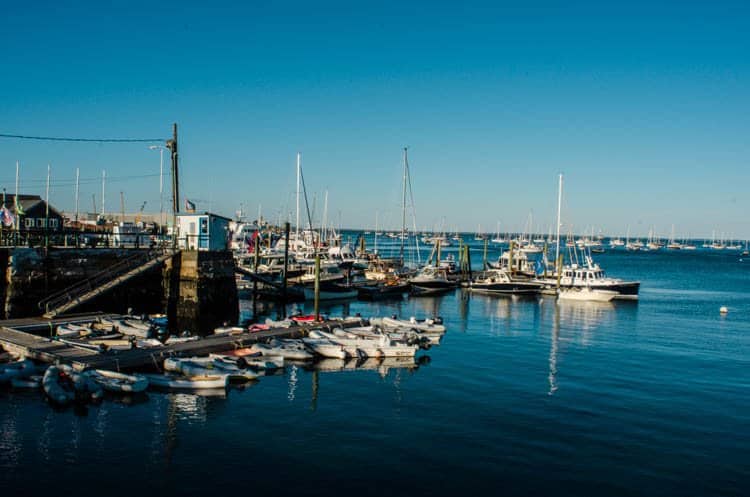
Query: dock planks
x,y
52,351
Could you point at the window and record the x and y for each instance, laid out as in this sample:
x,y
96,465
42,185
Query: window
x,y
41,222
53,223
29,222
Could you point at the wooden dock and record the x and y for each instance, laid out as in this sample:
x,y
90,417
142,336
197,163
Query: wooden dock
x,y
15,337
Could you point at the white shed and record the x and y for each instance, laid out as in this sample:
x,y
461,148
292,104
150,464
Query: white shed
x,y
202,231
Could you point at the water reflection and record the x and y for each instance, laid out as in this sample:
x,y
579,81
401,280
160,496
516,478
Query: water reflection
x,y
10,442
382,366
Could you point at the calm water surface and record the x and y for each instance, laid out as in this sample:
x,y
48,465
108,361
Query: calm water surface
x,y
523,397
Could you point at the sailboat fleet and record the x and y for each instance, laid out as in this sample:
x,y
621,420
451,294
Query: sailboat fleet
x,y
528,264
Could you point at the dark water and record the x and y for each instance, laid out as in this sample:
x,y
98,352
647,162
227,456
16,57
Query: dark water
x,y
524,397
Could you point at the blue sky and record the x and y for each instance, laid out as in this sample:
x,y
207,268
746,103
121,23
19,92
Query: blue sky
x,y
643,106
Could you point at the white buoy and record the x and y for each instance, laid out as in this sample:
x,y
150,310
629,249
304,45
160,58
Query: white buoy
x,y
723,310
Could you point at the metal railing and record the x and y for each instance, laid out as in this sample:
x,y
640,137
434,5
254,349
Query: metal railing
x,y
109,274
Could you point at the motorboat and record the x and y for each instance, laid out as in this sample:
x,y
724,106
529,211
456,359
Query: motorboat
x,y
586,294
497,281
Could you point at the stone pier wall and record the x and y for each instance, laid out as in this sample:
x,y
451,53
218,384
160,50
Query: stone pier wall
x,y
201,291
31,274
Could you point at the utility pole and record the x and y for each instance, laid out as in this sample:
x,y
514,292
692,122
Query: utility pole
x,y
172,146
122,208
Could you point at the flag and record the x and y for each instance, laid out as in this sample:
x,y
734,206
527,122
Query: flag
x,y
19,209
6,217
189,206
253,240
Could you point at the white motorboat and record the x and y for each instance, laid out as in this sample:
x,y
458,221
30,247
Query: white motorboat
x,y
586,294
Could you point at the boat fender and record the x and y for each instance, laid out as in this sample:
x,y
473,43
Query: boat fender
x,y
361,354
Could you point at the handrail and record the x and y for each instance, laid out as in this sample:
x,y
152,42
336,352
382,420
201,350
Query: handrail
x,y
109,274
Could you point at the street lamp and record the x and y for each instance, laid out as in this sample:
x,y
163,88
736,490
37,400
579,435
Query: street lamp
x,y
161,181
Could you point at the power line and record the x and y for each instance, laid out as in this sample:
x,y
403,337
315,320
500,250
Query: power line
x,y
89,140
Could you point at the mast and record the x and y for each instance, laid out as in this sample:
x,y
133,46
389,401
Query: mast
x,y
296,224
403,207
104,177
18,218
78,172
376,232
559,206
324,227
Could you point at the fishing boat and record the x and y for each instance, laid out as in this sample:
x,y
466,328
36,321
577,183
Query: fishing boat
x,y
113,381
179,382
586,294
431,279
388,288
497,281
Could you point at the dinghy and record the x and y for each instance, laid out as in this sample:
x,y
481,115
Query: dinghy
x,y
63,385
356,347
288,349
116,382
247,358
412,323
326,348
197,366
33,382
19,369
179,382
58,386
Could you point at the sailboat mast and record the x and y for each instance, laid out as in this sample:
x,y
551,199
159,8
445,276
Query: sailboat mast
x,y
559,206
403,207
296,224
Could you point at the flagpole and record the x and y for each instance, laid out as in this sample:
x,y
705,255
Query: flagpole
x,y
46,210
78,172
15,199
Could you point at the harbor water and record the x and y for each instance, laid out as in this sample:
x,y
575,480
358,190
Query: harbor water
x,y
525,396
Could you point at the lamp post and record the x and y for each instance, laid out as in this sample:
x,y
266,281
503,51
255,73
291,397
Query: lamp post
x,y
161,181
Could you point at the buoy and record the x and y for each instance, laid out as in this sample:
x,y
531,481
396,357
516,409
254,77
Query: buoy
x,y
723,310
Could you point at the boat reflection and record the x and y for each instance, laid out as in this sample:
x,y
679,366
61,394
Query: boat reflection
x,y
382,366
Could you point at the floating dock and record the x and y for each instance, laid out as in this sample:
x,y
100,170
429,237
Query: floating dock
x,y
25,337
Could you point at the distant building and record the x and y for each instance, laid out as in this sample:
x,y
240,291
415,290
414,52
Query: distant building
x,y
34,215
204,231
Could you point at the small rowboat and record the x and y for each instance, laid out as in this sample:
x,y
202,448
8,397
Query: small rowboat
x,y
435,325
288,349
63,385
178,382
116,382
249,359
197,366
